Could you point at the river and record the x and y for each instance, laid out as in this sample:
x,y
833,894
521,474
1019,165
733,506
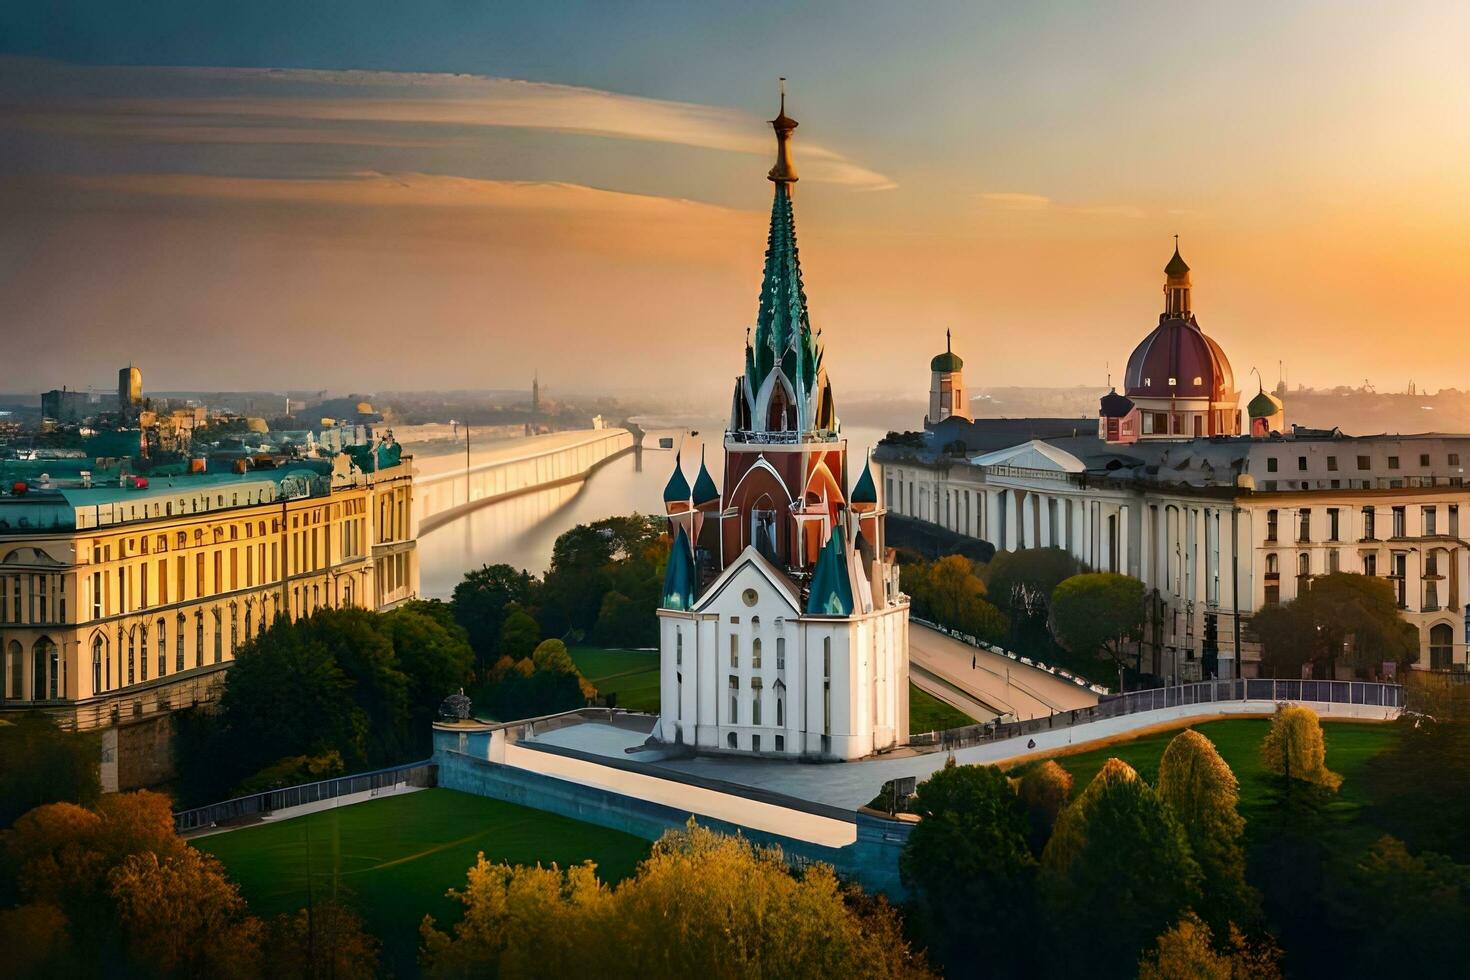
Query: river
x,y
521,531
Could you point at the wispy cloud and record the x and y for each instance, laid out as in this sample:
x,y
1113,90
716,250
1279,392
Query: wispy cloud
x,y
1021,201
245,104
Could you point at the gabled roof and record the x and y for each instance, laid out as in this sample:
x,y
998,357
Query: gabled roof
x,y
1036,455
752,558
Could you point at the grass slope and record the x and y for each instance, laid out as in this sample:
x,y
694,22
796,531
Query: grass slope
x,y
929,714
630,674
1349,746
393,859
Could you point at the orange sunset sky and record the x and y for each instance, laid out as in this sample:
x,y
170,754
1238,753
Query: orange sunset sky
x,y
448,196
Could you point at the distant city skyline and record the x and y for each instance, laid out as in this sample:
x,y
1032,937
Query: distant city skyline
x,y
446,196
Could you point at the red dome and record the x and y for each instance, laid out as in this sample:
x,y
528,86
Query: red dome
x,y
1179,352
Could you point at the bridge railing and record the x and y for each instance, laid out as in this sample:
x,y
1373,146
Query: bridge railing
x,y
268,802
1180,695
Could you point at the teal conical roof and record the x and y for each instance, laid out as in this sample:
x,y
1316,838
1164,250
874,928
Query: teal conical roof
x,y
783,332
831,593
677,489
865,492
679,576
705,490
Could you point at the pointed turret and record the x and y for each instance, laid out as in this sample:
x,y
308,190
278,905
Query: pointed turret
x,y
679,578
676,491
864,492
1176,285
831,592
705,492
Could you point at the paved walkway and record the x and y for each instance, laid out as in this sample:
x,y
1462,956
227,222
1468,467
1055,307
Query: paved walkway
x,y
286,813
995,681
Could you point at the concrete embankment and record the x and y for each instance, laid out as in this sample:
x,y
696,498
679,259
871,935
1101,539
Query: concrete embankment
x,y
445,487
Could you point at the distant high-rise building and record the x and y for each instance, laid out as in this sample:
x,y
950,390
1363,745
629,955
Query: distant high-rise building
x,y
62,405
536,394
129,391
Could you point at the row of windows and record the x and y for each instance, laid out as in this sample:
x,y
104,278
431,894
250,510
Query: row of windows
x,y
144,544
1368,521
35,598
1364,462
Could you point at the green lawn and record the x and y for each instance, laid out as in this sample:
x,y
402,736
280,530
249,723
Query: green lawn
x,y
393,859
1349,745
929,714
630,674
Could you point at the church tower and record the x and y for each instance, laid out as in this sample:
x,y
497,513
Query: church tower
x,y
782,628
948,396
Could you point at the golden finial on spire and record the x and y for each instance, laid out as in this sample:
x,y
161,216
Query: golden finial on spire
x,y
784,172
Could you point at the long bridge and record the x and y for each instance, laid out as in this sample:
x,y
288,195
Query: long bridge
x,y
447,486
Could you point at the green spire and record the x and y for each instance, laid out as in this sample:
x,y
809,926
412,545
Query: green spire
x,y
831,593
677,489
679,576
705,490
864,492
783,331
1177,266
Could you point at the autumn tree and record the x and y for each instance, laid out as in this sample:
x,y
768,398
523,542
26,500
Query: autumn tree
x,y
949,592
1188,951
1099,614
1204,794
1117,847
329,940
1295,747
181,917
966,858
701,905
1044,790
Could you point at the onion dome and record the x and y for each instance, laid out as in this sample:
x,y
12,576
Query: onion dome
x,y
948,361
864,491
1264,405
1114,405
677,489
705,491
1177,267
678,592
831,593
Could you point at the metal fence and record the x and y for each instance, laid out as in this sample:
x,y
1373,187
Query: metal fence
x,y
1159,698
263,804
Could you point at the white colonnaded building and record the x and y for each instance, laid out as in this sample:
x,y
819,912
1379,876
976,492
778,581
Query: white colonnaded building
x,y
1164,486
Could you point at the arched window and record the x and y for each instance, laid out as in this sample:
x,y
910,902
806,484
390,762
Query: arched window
x,y
1304,564
44,667
249,616
14,667
1273,566
347,592
199,638
219,635
755,653
234,628
780,704
1441,646
160,638
755,700
132,660
730,741
143,653
99,678
179,643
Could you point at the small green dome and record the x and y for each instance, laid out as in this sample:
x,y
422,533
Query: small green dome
x,y
948,361
1263,406
1177,266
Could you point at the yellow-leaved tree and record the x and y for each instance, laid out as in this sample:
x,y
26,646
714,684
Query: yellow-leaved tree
x,y
1188,952
1295,747
701,905
1203,792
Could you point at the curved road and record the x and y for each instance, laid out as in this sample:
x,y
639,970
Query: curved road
x,y
941,665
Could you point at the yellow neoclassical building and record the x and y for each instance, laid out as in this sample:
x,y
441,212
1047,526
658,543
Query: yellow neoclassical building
x,y
122,603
